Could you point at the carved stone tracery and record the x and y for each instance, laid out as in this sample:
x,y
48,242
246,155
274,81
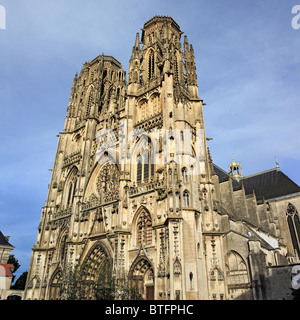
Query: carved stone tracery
x,y
108,182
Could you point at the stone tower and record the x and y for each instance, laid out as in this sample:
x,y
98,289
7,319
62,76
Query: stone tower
x,y
133,182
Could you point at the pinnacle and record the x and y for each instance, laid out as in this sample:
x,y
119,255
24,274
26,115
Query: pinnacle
x,y
137,41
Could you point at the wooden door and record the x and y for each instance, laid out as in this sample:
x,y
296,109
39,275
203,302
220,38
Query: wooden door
x,y
150,293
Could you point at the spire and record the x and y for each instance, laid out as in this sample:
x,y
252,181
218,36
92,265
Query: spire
x,y
74,86
136,48
211,165
134,62
137,42
192,51
190,65
186,45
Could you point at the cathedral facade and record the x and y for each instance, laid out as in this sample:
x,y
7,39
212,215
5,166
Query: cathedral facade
x,y
133,183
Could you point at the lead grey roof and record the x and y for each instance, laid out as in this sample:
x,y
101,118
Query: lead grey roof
x,y
268,184
4,241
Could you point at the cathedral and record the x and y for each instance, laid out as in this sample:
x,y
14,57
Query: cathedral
x,y
133,183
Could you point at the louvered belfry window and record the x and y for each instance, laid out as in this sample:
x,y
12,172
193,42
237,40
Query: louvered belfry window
x,y
151,65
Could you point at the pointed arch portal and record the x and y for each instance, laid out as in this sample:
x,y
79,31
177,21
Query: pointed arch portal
x,y
141,278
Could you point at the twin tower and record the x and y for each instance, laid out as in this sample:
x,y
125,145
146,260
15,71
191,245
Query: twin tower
x,y
133,182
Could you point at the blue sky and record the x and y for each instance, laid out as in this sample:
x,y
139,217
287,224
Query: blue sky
x,y
248,66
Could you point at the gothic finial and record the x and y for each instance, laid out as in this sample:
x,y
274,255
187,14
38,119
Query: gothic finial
x,y
137,41
277,163
211,165
75,82
191,49
186,44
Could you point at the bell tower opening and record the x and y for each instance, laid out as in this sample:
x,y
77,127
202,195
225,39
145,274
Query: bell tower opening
x,y
235,170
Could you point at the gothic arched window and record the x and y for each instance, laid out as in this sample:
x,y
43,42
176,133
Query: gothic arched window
x,y
144,226
70,188
186,199
139,169
145,162
70,193
181,136
184,175
191,281
146,167
294,226
63,248
74,190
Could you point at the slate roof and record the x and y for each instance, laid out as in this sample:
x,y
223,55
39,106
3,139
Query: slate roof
x,y
223,175
268,184
4,241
